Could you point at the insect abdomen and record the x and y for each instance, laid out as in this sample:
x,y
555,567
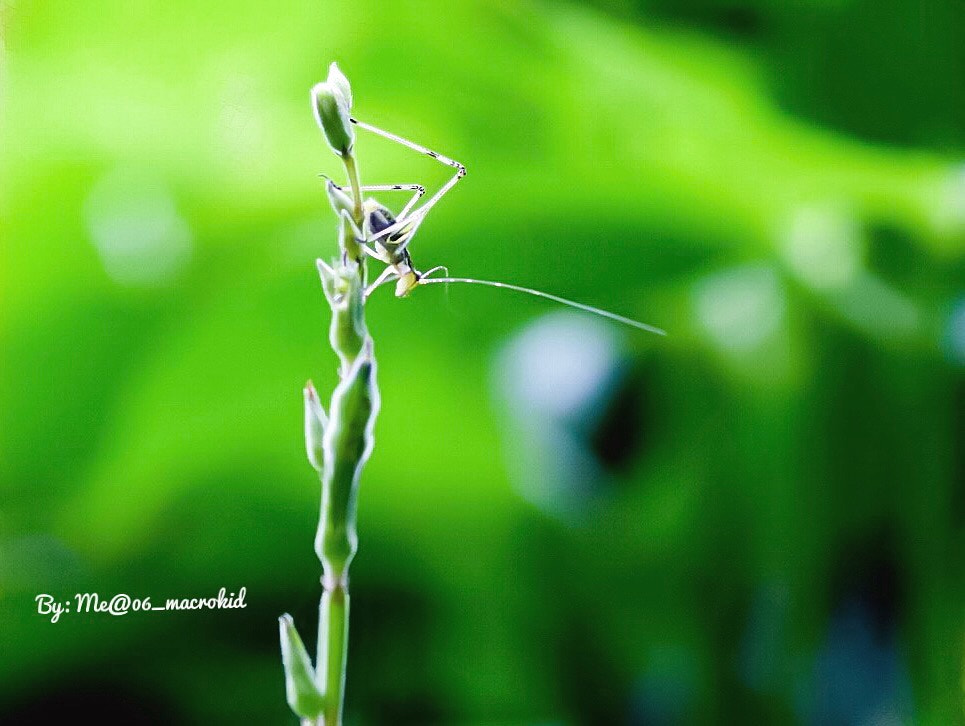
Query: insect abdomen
x,y
380,219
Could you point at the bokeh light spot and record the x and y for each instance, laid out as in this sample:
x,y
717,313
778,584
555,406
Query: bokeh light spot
x,y
136,229
740,309
822,247
561,363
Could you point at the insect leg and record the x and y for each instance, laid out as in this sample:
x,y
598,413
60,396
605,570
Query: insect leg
x,y
411,203
380,280
434,270
417,191
346,218
424,209
375,254
411,145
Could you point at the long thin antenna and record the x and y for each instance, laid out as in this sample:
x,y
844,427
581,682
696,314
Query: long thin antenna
x,y
555,298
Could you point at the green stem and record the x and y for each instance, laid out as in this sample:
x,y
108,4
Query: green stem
x,y
333,630
347,442
354,181
350,245
337,444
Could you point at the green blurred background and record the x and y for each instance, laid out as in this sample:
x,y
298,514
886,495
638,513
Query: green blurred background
x,y
757,519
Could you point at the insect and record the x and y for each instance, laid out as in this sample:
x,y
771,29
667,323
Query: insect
x,y
386,237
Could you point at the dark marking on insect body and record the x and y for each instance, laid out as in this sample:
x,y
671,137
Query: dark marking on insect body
x,y
380,219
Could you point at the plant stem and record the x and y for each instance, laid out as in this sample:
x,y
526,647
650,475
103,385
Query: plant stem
x,y
333,629
353,179
338,443
347,443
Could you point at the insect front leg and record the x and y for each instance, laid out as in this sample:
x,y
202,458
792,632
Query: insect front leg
x,y
417,191
386,276
376,255
434,270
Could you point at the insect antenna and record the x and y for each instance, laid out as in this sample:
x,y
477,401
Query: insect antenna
x,y
555,298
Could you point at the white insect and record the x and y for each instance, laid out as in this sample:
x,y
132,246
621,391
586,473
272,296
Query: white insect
x,y
386,237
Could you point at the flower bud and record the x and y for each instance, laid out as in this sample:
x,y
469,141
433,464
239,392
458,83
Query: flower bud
x,y
331,102
349,441
340,201
315,423
343,289
304,696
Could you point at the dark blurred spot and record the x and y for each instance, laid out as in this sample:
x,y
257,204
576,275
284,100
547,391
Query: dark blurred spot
x,y
105,702
859,675
620,434
869,573
594,687
391,681
740,21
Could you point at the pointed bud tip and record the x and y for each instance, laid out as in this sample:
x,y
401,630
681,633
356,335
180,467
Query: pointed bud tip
x,y
340,201
316,422
325,270
301,690
340,82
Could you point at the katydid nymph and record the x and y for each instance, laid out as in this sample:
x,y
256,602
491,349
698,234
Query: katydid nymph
x,y
386,236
